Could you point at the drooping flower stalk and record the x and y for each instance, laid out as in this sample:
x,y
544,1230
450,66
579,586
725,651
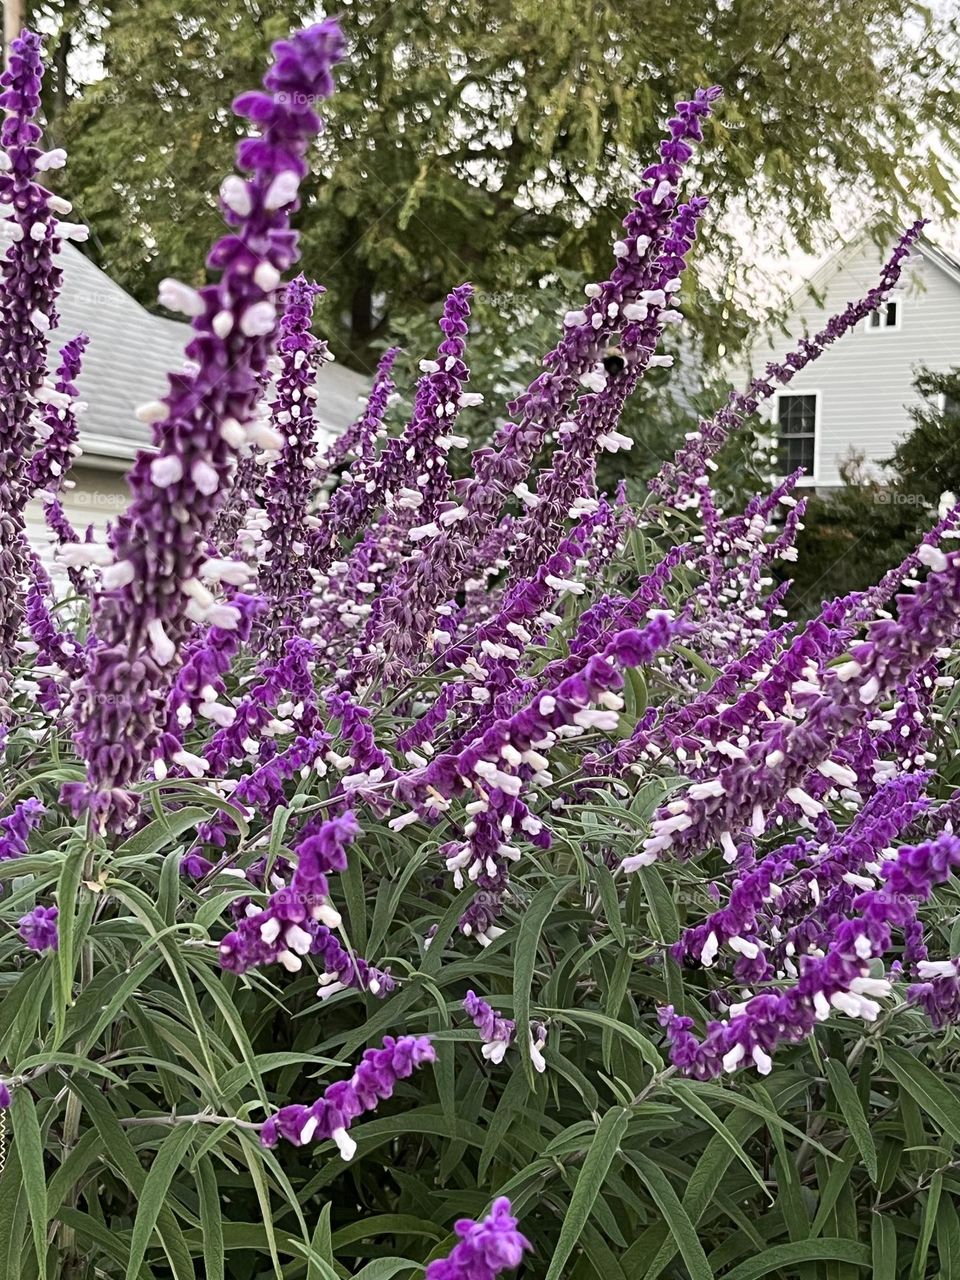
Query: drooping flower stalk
x,y
495,1030
298,919
16,827
375,1079
153,592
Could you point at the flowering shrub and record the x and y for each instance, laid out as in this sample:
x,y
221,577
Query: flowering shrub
x,y
413,875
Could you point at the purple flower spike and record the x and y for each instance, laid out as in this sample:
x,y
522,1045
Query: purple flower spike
x,y
38,929
676,482
30,283
486,1248
4,1096
154,589
284,573
374,1080
53,459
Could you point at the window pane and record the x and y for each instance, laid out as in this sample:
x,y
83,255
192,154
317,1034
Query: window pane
x,y
891,315
796,451
797,414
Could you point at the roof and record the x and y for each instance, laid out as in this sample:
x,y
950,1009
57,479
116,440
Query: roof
x,y
128,358
815,282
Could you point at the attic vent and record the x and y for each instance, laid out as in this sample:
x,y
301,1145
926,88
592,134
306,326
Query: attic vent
x,y
887,316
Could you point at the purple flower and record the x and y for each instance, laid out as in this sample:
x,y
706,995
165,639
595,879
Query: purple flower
x,y
495,1030
30,282
38,929
53,459
284,573
152,593
486,1248
298,919
16,827
4,1096
839,980
374,1080
676,481
500,471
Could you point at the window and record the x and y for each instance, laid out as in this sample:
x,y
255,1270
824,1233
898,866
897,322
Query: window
x,y
887,316
797,429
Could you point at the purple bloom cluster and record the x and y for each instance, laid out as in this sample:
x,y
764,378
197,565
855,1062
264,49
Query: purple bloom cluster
x,y
375,1079
16,827
495,1030
30,282
486,1248
152,592
298,920
840,979
38,929
284,576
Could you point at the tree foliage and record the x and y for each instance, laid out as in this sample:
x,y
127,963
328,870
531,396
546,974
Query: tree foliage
x,y
496,142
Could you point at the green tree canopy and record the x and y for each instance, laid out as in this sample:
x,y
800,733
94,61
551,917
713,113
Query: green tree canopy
x,y
497,142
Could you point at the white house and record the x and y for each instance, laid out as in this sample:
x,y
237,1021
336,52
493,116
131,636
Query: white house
x,y
855,398
125,365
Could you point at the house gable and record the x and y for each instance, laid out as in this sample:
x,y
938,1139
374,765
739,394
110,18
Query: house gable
x,y
864,382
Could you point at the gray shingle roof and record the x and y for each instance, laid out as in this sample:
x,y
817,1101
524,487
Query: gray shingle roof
x,y
129,355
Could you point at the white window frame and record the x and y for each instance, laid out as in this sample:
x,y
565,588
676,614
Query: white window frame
x,y
897,300
810,478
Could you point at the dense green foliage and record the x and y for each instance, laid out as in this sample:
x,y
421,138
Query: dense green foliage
x,y
841,1163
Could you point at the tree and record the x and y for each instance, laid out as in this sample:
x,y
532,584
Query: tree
x,y
499,142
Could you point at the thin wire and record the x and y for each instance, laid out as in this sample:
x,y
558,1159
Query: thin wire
x,y
3,1140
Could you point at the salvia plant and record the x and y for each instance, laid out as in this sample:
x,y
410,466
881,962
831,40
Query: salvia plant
x,y
424,868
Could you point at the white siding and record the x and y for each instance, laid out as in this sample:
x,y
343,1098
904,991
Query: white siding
x,y
865,380
98,497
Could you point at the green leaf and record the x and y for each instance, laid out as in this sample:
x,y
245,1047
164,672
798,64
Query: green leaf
x,y
927,1090
883,1235
644,1046
682,1229
948,1239
320,1262
156,835
525,961
211,1220
851,1108
386,1268
828,1249
167,1161
26,1132
611,902
593,1174
68,887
